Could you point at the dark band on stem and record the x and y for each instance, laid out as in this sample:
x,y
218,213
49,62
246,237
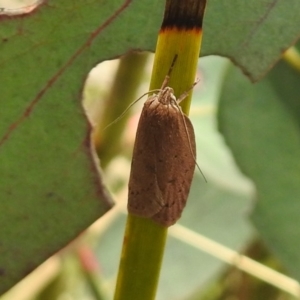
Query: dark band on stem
x,y
186,14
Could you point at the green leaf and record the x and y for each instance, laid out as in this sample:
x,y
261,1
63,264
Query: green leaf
x,y
253,34
50,188
261,125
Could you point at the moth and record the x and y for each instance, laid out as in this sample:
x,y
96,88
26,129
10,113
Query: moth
x,y
164,159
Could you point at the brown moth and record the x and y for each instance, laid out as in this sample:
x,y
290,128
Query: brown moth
x,y
164,159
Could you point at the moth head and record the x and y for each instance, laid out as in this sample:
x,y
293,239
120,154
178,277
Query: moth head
x,y
166,96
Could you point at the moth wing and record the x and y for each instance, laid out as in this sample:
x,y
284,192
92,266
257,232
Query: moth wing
x,y
176,160
144,195
163,163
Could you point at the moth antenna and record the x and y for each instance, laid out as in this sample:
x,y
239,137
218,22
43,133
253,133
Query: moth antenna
x,y
183,96
167,78
129,106
173,64
186,93
190,144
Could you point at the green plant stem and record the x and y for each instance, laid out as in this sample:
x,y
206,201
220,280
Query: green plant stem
x,y
145,240
140,260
